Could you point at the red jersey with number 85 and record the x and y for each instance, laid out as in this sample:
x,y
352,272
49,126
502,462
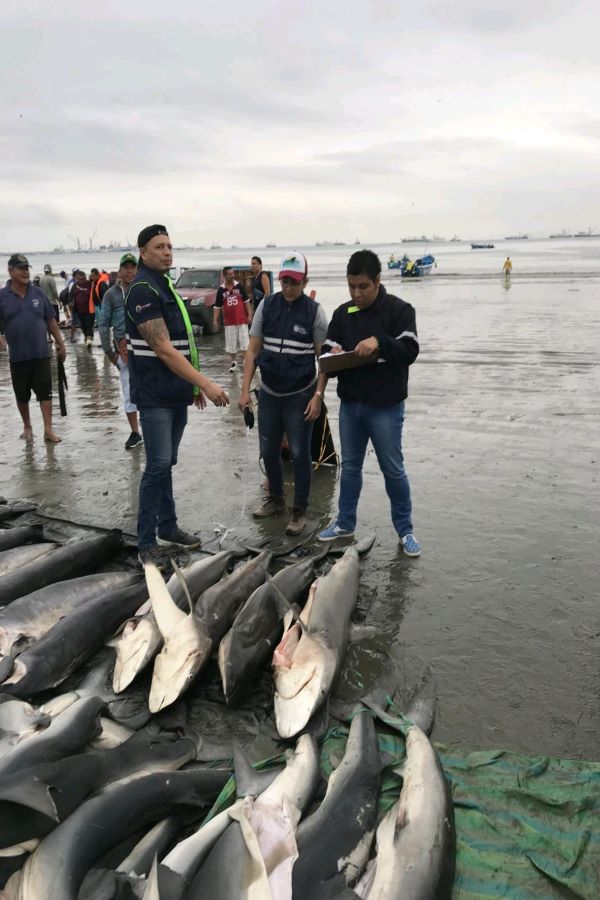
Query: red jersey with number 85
x,y
232,302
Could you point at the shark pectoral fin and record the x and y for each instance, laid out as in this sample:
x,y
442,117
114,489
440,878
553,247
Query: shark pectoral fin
x,y
6,666
152,889
183,584
166,612
17,672
248,781
30,792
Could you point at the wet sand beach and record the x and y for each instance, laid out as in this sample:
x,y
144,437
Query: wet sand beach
x,y
501,446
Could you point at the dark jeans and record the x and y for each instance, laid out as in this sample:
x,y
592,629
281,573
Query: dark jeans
x,y
285,415
87,324
163,429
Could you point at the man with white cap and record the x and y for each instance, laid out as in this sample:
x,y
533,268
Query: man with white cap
x,y
287,331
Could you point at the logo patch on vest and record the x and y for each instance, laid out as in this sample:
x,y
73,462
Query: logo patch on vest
x,y
36,302
300,329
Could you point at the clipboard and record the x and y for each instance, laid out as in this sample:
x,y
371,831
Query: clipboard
x,y
330,363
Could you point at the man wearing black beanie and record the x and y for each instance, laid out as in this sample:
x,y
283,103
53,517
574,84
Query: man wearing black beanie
x,y
163,366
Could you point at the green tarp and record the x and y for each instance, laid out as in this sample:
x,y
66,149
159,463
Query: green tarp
x,y
527,828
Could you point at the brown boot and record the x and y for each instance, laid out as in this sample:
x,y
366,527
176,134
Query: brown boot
x,y
270,506
297,520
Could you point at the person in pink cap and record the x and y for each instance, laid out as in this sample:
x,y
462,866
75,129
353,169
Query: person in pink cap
x,y
287,331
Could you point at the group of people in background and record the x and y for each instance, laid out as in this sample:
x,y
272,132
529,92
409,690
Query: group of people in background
x,y
147,335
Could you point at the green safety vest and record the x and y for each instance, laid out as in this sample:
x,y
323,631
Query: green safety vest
x,y
188,329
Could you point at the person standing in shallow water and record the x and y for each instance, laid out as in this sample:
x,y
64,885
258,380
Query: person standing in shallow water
x,y
26,319
48,285
232,300
83,307
261,285
163,368
382,328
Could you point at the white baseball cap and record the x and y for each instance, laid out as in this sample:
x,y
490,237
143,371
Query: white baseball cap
x,y
294,266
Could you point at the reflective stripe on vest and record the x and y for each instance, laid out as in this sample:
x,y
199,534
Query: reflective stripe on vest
x,y
284,345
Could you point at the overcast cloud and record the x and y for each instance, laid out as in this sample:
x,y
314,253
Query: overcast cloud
x,y
242,123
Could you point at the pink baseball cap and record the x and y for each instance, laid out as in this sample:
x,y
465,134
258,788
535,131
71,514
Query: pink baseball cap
x,y
294,266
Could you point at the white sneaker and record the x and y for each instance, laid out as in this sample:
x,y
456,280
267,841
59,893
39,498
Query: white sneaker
x,y
233,366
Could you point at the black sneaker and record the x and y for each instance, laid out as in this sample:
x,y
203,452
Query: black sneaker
x,y
133,440
153,555
180,538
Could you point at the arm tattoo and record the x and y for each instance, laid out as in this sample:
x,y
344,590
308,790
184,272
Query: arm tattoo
x,y
155,332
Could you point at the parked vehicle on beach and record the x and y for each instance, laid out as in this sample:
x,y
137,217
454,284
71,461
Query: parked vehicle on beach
x,y
199,286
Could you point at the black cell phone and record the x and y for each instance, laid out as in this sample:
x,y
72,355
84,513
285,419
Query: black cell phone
x,y
249,417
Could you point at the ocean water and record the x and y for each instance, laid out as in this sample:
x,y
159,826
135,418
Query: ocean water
x,y
576,257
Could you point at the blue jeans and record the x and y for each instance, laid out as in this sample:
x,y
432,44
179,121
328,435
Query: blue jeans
x,y
162,428
360,422
285,415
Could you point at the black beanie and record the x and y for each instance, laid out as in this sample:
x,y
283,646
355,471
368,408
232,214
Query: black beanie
x,y
150,231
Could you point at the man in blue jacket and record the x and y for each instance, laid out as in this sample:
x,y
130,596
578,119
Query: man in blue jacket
x,y
111,315
164,379
381,329
287,331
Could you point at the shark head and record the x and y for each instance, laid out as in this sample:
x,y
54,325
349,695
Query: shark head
x,y
303,670
186,645
185,652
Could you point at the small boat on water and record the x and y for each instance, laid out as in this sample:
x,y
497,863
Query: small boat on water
x,y
409,269
482,246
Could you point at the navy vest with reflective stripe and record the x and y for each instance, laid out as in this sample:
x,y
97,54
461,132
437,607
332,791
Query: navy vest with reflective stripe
x,y
151,382
287,359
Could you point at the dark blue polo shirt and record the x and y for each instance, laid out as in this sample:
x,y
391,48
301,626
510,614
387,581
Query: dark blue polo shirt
x,y
24,321
152,382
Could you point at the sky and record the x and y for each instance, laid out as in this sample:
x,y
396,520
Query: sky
x,y
241,123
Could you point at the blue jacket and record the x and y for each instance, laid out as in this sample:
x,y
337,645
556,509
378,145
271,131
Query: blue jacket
x,y
287,359
111,314
393,323
152,383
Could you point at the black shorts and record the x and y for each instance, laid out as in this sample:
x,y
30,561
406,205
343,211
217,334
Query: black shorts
x,y
32,375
